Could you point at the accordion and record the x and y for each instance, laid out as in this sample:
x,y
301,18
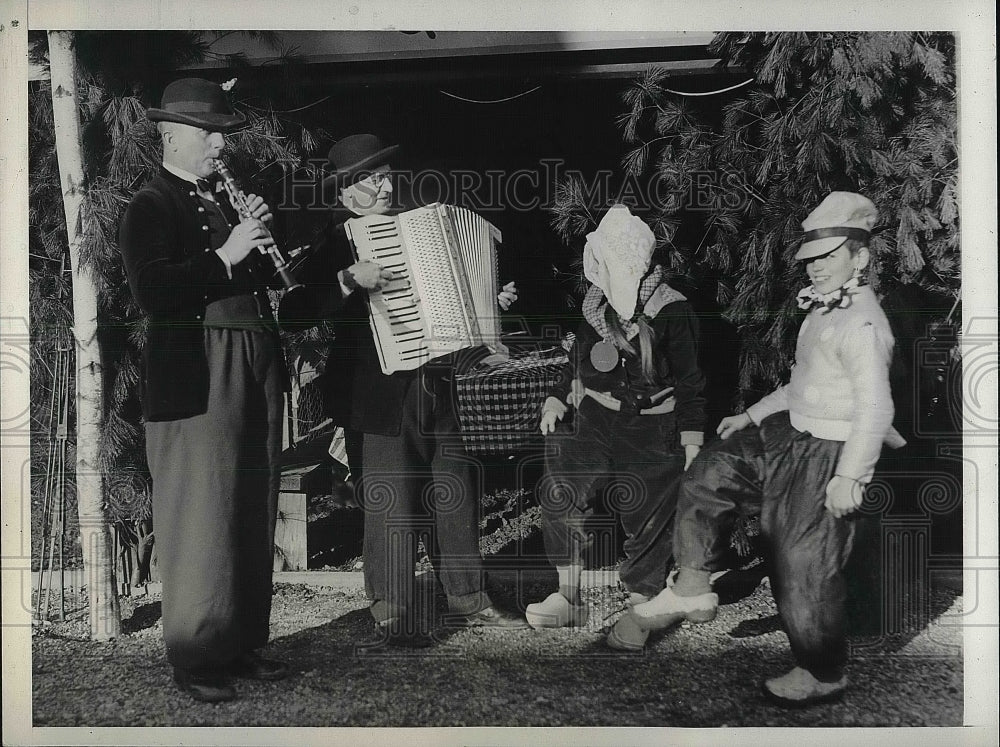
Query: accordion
x,y
443,297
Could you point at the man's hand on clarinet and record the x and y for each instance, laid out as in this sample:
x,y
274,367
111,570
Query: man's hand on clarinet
x,y
244,238
367,275
258,208
507,295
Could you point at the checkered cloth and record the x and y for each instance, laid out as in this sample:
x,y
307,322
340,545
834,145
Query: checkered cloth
x,y
499,408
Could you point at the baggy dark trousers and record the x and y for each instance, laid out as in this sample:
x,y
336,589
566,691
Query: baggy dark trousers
x,y
421,483
636,456
780,473
215,493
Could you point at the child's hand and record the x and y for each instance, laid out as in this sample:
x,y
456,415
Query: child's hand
x,y
843,495
552,411
733,423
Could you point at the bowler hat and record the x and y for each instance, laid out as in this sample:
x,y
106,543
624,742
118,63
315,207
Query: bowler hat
x,y
196,102
354,156
841,216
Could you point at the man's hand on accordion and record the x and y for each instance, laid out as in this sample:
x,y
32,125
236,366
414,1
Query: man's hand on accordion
x,y
507,295
367,275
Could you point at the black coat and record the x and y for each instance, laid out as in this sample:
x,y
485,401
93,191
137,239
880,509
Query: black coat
x,y
174,273
675,364
356,394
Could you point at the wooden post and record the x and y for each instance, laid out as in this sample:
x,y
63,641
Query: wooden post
x,y
290,546
98,559
291,552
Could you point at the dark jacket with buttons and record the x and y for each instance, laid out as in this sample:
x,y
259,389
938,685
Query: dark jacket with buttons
x,y
168,240
675,362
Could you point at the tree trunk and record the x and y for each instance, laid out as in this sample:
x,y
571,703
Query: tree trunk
x,y
98,559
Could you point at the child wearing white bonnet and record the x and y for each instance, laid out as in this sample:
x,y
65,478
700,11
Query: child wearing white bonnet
x,y
633,376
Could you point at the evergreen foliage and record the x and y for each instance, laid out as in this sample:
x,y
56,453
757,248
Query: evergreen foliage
x,y
871,112
50,323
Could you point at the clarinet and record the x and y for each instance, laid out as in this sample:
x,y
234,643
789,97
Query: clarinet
x,y
240,205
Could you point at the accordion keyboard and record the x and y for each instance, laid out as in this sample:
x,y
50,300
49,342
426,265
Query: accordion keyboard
x,y
397,304
443,294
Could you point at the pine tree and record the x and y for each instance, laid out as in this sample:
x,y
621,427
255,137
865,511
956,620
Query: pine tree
x,y
870,112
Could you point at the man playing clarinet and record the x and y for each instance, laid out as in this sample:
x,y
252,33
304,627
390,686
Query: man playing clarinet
x,y
212,385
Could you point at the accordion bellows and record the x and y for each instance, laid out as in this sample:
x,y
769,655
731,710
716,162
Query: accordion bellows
x,y
443,297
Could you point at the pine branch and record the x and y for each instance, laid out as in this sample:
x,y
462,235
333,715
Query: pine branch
x,y
864,111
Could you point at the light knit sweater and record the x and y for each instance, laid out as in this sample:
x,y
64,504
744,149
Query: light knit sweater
x,y
839,386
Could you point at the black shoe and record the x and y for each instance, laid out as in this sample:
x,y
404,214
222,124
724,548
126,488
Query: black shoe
x,y
252,666
206,686
403,633
490,617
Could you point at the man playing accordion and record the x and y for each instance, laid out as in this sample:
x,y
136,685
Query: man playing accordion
x,y
398,425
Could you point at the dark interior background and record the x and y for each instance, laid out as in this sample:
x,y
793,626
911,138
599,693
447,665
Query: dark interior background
x,y
560,108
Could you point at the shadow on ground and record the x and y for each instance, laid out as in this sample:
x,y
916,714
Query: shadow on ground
x,y
144,616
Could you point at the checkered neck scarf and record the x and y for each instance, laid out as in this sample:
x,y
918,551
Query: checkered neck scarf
x,y
808,299
594,303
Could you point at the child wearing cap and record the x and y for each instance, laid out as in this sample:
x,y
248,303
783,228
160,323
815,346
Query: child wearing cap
x,y
633,376
801,456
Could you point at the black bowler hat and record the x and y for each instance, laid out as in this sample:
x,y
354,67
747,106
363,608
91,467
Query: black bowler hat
x,y
199,103
355,156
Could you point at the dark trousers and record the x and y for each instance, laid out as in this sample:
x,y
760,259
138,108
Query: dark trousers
x,y
636,456
215,491
421,484
781,473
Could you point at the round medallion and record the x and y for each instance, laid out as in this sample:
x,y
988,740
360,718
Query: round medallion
x,y
604,356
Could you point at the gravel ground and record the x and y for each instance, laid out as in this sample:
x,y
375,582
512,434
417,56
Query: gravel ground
x,y
693,675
